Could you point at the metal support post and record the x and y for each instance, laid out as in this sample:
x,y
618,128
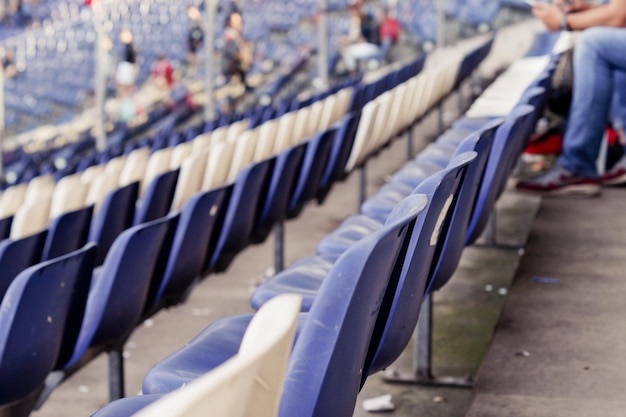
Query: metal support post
x,y
362,186
440,122
209,46
410,151
322,50
116,374
422,373
279,247
441,23
101,81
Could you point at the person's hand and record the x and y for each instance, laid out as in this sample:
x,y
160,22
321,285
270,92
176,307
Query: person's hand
x,y
549,14
570,6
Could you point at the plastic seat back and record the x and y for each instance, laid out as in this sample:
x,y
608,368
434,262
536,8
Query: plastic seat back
x,y
218,165
157,199
300,129
101,186
118,294
17,255
134,168
190,243
266,139
314,164
505,150
339,154
31,218
159,163
11,200
115,216
189,180
244,153
70,194
39,188
5,227
247,197
286,126
363,136
89,175
33,317
180,153
287,167
251,382
423,253
456,233
326,365
67,233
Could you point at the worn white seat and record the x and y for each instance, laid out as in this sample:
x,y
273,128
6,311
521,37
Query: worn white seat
x,y
190,179
12,199
285,131
180,153
32,217
363,135
90,174
39,187
70,194
158,164
245,147
266,139
219,160
248,384
100,187
300,129
134,169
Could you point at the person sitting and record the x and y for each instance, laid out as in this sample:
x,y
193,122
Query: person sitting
x,y
598,56
388,33
362,41
236,57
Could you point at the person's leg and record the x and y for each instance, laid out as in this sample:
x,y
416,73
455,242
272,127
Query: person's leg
x,y
597,54
618,106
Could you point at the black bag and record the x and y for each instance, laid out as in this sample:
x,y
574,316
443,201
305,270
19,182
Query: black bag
x,y
562,84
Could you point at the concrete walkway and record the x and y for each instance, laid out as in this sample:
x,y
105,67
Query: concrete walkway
x,y
560,345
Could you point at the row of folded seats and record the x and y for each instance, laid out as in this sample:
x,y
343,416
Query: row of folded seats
x,y
88,300
360,295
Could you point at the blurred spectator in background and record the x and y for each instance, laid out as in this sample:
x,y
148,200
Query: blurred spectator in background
x,y
126,68
195,37
8,64
162,74
362,41
236,53
388,32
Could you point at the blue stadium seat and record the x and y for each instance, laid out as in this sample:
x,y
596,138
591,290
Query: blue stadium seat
x,y
118,294
5,227
506,147
188,252
115,215
313,166
308,274
241,214
340,325
157,199
287,165
67,233
339,154
33,317
17,255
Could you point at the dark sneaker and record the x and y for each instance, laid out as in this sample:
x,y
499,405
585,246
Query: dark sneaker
x,y
616,175
558,181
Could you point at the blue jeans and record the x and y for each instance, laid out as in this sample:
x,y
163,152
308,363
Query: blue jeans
x,y
618,108
598,56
